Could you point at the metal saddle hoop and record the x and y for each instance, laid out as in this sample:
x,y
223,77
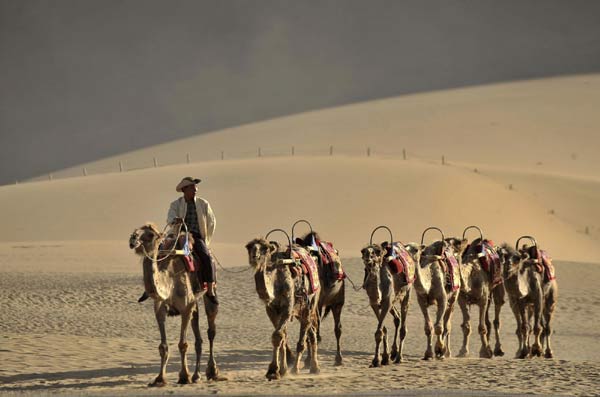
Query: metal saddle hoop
x,y
313,247
473,227
286,261
535,245
434,228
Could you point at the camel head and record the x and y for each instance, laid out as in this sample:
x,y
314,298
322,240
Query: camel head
x,y
144,238
414,250
372,256
511,260
260,252
458,246
432,252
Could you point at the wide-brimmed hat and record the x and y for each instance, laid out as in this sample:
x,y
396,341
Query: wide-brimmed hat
x,y
187,181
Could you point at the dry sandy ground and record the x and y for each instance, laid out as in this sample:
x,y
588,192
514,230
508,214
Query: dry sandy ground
x,y
83,333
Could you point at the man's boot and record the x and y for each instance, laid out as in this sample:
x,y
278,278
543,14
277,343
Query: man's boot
x,y
143,297
211,293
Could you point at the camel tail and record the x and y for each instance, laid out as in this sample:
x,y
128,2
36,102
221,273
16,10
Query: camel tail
x,y
327,310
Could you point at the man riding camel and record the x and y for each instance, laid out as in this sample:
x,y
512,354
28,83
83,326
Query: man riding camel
x,y
200,221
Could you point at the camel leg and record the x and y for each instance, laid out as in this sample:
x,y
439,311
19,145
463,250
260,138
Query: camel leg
x,y
396,315
448,324
337,318
498,295
548,314
198,344
283,365
428,326
524,330
305,324
466,325
313,346
212,371
160,310
381,334
184,375
403,314
486,350
536,349
440,348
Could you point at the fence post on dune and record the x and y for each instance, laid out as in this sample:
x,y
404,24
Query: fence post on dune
x,y
49,177
443,160
331,150
120,166
155,162
222,155
292,151
368,152
84,172
404,154
187,157
259,153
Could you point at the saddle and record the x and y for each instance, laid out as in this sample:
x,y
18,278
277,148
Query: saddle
x,y
489,260
543,263
171,242
400,261
451,269
308,268
328,258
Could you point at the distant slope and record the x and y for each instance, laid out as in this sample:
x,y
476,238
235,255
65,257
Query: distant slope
x,y
344,198
547,125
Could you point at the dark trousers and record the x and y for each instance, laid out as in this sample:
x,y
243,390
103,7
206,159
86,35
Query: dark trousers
x,y
207,271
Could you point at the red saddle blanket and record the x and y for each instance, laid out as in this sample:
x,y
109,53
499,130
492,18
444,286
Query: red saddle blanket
x,y
490,262
548,267
191,263
401,262
309,267
330,257
452,270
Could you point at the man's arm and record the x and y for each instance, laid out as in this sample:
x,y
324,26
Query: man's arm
x,y
172,214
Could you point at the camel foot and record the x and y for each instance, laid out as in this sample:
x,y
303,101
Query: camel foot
x,y
158,382
338,361
498,352
428,355
212,373
315,370
272,376
536,351
486,352
385,359
393,354
282,372
463,352
291,359
184,379
196,377
523,353
295,370
375,363
549,354
447,353
398,359
440,351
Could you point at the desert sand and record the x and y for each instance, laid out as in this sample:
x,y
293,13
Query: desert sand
x,y
520,158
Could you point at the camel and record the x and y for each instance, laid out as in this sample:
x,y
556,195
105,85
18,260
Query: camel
x,y
477,288
432,287
531,295
169,284
385,289
333,290
285,295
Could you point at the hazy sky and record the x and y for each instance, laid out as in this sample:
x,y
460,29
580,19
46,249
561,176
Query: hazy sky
x,y
81,80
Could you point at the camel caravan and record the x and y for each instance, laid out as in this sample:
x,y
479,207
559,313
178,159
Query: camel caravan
x,y
303,278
